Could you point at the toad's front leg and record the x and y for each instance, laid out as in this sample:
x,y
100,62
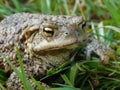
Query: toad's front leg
x,y
94,46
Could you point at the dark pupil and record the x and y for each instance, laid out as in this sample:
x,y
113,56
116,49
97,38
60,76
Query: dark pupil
x,y
50,32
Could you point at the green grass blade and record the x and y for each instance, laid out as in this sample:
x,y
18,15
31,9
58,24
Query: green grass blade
x,y
12,66
90,4
45,6
67,81
18,5
66,7
27,85
38,84
64,88
73,73
4,10
1,87
19,74
113,11
3,77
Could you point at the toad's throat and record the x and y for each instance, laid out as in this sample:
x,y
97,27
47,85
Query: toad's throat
x,y
54,57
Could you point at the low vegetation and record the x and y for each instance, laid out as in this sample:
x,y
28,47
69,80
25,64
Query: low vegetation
x,y
103,19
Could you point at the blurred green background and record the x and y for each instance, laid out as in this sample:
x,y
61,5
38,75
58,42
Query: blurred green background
x,y
103,18
94,10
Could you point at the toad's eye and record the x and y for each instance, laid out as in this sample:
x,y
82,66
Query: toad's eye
x,y
48,32
83,25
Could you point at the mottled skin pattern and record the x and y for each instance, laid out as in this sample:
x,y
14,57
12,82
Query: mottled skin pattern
x,y
45,42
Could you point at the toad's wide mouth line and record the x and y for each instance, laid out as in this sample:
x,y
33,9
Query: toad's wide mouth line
x,y
55,48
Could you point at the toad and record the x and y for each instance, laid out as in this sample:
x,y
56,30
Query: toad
x,y
45,42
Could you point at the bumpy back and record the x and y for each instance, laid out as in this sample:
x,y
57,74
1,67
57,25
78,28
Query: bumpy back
x,y
12,27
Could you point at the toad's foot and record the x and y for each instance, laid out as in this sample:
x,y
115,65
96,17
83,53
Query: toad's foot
x,y
14,83
34,69
94,46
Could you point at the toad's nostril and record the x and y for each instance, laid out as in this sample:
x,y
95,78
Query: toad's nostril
x,y
66,33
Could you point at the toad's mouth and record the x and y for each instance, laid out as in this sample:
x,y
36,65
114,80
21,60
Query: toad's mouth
x,y
47,46
56,50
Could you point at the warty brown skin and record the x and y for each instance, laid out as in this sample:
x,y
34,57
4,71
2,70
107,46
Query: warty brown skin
x,y
44,41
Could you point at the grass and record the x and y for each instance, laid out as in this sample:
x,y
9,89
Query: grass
x,y
103,16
